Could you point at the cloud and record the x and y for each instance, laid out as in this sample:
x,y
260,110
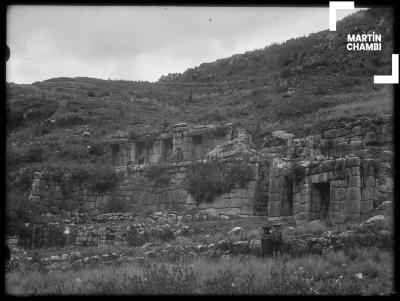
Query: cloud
x,y
141,43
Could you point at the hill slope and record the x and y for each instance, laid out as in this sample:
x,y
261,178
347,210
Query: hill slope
x,y
304,85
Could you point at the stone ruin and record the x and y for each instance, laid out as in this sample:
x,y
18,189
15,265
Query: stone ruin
x,y
336,175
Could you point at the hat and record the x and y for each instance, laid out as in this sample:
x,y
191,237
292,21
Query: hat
x,y
267,225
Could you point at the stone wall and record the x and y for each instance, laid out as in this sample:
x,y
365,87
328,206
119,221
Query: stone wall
x,y
51,197
353,136
140,194
194,141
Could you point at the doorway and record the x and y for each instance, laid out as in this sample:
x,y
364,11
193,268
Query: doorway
x,y
320,201
287,197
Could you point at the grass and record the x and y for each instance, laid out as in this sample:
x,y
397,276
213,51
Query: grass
x,y
333,273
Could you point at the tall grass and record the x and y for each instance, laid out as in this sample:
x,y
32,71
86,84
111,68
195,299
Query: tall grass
x,y
333,273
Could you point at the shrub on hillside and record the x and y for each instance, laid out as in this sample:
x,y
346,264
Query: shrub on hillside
x,y
100,178
104,178
209,180
91,94
34,153
220,131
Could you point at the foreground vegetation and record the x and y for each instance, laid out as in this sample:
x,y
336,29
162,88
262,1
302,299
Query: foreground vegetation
x,y
330,274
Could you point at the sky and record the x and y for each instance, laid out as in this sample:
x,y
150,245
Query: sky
x,y
143,43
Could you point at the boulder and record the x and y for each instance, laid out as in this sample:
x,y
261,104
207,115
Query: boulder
x,y
376,222
236,232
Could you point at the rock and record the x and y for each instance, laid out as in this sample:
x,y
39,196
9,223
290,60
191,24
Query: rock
x,y
239,247
65,257
346,234
55,258
376,222
327,234
236,232
224,217
298,246
359,275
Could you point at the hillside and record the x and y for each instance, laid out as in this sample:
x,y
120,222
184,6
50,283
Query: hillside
x,y
304,86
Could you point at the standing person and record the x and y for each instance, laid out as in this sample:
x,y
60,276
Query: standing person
x,y
266,242
179,154
277,238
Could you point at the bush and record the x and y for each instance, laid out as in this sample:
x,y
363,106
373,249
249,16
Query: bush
x,y
207,181
157,174
100,178
97,149
35,153
104,178
285,73
91,94
220,131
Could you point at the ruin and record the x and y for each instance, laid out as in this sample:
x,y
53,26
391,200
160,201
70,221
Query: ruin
x,y
328,176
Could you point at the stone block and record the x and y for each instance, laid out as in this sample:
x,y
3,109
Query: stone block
x,y
335,206
355,170
353,193
274,208
366,206
329,134
355,145
342,132
334,194
302,216
248,210
212,212
352,206
250,193
239,193
229,211
369,181
353,161
321,177
355,181
367,193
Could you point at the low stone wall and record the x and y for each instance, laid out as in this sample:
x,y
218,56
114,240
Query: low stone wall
x,y
295,246
50,235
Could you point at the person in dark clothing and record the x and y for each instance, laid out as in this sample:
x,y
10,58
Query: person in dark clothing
x,y
179,154
266,243
277,238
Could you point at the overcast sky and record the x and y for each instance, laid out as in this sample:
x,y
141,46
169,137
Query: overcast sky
x,y
143,43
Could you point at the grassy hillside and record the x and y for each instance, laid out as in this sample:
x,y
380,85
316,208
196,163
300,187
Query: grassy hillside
x,y
304,85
